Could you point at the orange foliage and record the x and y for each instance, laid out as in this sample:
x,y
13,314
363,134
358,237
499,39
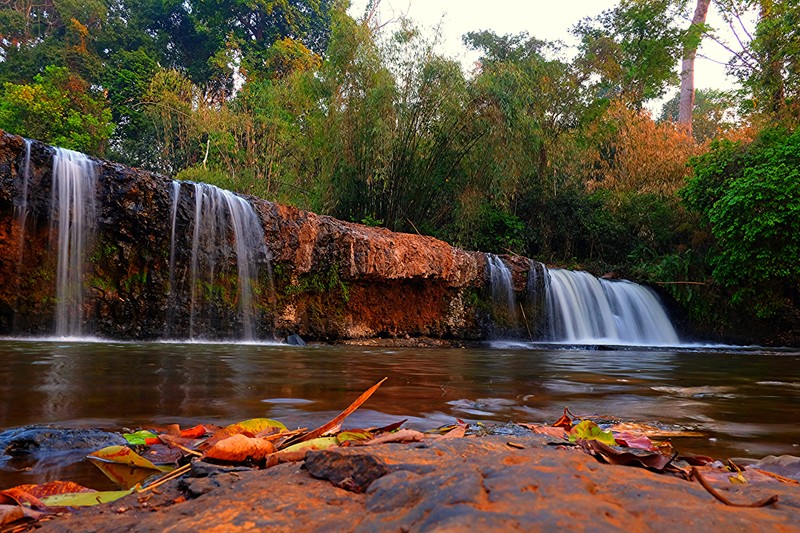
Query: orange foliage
x,y
632,152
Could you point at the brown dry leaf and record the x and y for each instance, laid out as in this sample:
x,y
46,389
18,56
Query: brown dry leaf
x,y
10,514
556,432
456,433
17,496
160,454
52,488
337,420
249,428
630,440
565,421
239,448
653,461
404,435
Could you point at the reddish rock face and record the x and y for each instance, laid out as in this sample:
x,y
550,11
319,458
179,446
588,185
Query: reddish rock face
x,y
327,279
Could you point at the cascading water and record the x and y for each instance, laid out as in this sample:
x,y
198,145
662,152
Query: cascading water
x,y
224,225
582,308
73,214
502,288
21,216
171,300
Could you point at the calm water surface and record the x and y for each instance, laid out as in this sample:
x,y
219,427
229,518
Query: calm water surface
x,y
746,402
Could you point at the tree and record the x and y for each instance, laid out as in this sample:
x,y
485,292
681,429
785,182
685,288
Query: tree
x,y
59,108
687,95
767,62
633,49
750,196
713,113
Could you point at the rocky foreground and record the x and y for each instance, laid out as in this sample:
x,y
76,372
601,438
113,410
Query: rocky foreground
x,y
490,483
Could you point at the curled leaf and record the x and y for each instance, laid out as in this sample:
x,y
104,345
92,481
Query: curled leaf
x,y
239,448
249,428
565,421
125,456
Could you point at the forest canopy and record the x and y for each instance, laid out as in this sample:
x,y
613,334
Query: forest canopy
x,y
535,151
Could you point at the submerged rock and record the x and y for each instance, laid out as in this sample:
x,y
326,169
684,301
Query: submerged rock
x,y
43,440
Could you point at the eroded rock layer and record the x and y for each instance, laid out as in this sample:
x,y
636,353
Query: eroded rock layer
x,y
322,278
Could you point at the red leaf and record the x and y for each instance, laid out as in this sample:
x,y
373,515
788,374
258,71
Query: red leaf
x,y
194,433
565,421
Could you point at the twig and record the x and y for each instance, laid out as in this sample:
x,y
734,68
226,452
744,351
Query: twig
x,y
525,318
178,472
726,501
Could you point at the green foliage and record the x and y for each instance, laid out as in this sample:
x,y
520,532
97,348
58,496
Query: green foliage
x,y
713,113
634,48
750,195
59,108
769,66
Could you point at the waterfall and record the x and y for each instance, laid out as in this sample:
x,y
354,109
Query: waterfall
x,y
73,222
224,225
21,217
171,300
502,288
582,308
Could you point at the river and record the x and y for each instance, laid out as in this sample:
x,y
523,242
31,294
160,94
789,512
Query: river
x,y
746,402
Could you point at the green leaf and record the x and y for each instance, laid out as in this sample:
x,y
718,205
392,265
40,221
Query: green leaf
x,y
322,443
138,438
588,430
355,434
84,499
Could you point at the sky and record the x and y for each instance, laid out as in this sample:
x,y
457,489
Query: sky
x,y
544,19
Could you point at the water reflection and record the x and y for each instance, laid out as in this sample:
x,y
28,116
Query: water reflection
x,y
746,400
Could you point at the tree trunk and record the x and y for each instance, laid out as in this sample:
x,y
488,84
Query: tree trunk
x,y
686,103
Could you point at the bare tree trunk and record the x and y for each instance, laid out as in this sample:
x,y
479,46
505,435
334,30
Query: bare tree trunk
x,y
687,68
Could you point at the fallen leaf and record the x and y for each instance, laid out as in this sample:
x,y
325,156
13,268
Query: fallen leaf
x,y
337,420
161,454
651,460
85,499
390,427
630,440
456,433
249,428
10,514
123,475
239,448
139,438
321,443
16,496
194,433
51,488
565,421
588,430
652,431
125,456
353,435
559,433
404,435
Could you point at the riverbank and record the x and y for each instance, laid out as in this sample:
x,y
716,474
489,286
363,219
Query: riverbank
x,y
489,483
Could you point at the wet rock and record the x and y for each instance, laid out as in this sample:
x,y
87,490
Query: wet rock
x,y
785,465
40,440
472,483
347,471
295,340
